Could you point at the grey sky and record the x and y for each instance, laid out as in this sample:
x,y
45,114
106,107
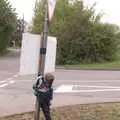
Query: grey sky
x,y
24,7
111,9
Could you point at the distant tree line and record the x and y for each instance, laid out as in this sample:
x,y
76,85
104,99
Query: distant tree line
x,y
82,37
8,21
11,28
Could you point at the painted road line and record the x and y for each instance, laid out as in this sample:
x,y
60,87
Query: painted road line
x,y
3,85
96,81
69,89
64,88
15,75
102,90
11,82
86,81
6,83
2,82
8,79
86,91
11,78
95,86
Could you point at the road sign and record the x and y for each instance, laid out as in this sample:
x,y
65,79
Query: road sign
x,y
51,8
30,54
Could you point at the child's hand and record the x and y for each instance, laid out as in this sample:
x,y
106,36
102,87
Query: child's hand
x,y
42,90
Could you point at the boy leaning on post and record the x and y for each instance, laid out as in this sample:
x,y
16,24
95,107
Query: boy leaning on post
x,y
44,92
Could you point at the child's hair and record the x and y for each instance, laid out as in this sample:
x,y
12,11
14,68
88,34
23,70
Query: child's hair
x,y
49,78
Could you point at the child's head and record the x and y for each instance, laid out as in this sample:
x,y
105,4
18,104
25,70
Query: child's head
x,y
49,78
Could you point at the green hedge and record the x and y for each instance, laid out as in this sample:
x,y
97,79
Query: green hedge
x,y
7,24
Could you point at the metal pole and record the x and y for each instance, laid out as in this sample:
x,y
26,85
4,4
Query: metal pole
x,y
43,44
43,47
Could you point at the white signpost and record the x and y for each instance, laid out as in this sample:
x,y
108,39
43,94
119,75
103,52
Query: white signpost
x,y
29,58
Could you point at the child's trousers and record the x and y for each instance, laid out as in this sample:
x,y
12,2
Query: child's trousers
x,y
45,106
46,110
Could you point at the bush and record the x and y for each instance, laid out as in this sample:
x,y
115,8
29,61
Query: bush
x,y
82,38
7,24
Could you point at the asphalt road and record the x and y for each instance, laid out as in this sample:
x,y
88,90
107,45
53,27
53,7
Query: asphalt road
x,y
9,65
95,83
70,87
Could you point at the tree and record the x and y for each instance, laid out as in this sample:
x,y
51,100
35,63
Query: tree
x,y
38,18
82,38
19,30
7,24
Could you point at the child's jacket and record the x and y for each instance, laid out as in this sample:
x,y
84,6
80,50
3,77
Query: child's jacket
x,y
44,97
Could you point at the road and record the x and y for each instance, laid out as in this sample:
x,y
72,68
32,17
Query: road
x,y
9,65
70,87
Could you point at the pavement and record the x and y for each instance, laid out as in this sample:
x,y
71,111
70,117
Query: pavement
x,y
70,87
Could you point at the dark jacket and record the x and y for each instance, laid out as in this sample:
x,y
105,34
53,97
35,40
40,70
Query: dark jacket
x,y
44,97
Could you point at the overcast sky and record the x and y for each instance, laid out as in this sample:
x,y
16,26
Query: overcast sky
x,y
111,8
24,7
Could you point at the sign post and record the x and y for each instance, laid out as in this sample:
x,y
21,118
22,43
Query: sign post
x,y
49,10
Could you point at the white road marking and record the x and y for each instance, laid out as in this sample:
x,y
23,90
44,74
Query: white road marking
x,y
69,89
3,85
95,86
64,88
11,82
8,81
2,82
87,81
102,90
15,76
96,81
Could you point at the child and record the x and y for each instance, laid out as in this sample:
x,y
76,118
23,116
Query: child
x,y
45,94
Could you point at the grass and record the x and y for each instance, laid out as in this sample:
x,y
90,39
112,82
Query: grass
x,y
13,48
109,111
10,50
115,64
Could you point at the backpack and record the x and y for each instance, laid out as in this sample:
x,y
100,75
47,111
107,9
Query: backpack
x,y
39,83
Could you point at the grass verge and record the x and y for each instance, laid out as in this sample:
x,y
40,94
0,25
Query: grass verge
x,y
109,111
115,64
105,65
